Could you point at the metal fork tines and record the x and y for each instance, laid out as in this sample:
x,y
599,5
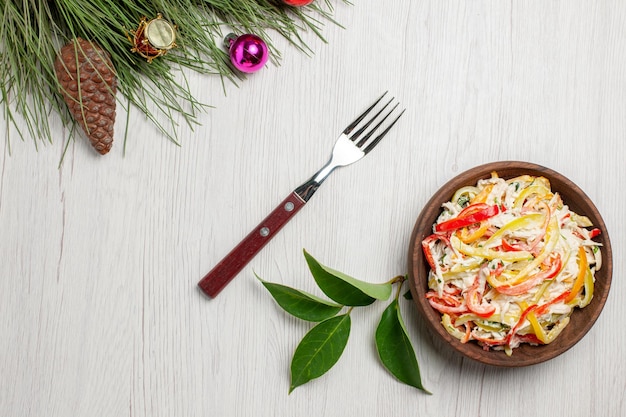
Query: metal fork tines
x,y
367,124
349,146
356,140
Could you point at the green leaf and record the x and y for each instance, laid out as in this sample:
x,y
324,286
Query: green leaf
x,y
319,350
395,349
408,295
345,289
301,304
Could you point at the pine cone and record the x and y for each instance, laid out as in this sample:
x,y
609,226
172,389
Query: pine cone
x,y
94,107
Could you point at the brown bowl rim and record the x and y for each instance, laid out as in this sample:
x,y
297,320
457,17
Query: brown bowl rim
x,y
581,320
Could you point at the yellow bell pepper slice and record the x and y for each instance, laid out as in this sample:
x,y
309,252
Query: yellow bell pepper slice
x,y
522,178
551,239
588,289
539,190
481,197
583,267
481,252
468,236
450,328
537,328
490,324
468,192
516,224
541,334
556,329
461,268
542,290
582,221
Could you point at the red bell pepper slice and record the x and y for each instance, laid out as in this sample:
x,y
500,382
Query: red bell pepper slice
x,y
445,303
497,270
594,232
543,309
487,342
473,299
426,248
513,331
554,268
470,215
512,247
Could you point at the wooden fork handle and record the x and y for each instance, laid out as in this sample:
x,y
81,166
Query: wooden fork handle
x,y
233,263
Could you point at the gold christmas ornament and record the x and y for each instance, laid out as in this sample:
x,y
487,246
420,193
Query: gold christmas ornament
x,y
153,38
88,84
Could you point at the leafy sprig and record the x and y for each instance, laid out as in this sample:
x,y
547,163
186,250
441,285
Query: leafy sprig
x,y
323,345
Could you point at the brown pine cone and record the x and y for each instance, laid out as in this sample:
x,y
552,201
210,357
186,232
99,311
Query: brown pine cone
x,y
94,107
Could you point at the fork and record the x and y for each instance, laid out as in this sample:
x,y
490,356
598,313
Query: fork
x,y
349,148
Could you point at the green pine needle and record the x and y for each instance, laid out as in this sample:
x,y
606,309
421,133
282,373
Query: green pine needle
x,y
34,30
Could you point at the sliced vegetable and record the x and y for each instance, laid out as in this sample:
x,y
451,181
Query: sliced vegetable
x,y
525,222
445,303
470,215
473,299
485,253
427,247
580,278
469,235
553,268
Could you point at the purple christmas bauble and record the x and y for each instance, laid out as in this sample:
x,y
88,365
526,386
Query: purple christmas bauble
x,y
248,53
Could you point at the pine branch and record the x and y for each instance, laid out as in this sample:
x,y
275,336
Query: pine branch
x,y
34,30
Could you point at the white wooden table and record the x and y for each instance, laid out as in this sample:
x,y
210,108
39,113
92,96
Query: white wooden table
x,y
99,258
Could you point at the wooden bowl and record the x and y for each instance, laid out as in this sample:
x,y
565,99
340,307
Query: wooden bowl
x,y
581,320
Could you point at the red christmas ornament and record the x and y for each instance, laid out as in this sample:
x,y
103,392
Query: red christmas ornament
x,y
298,3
